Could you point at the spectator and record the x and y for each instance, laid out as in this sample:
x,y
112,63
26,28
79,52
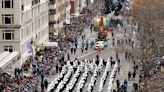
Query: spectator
x,y
46,83
134,75
129,75
42,87
118,85
68,56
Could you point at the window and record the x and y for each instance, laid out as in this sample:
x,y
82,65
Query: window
x,y
34,2
28,30
8,34
8,48
7,3
7,19
39,9
52,1
22,7
51,24
38,23
52,11
22,17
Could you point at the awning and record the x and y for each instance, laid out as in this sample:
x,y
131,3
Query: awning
x,y
8,59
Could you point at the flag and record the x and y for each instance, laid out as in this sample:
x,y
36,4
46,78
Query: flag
x,y
29,48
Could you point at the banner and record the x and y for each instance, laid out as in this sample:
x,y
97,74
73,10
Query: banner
x,y
29,48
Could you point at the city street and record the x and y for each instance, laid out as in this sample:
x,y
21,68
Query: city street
x,y
81,46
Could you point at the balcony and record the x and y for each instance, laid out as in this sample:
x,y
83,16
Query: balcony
x,y
51,29
52,6
51,17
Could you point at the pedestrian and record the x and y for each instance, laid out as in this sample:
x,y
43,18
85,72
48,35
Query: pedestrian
x,y
46,83
97,62
74,50
82,49
86,48
114,62
71,50
134,63
129,41
15,72
118,61
112,34
97,57
42,87
111,58
56,68
136,67
111,63
60,68
42,77
76,45
114,90
118,69
129,75
140,78
122,88
134,75
118,85
125,85
117,56
132,44
135,86
68,56
104,62
126,55
113,42
82,37
91,28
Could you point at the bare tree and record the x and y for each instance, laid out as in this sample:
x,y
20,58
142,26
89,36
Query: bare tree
x,y
149,15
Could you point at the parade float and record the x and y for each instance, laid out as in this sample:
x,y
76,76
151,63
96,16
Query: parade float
x,y
103,32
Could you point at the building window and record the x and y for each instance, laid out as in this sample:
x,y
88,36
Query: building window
x,y
34,2
8,34
8,48
52,11
51,24
7,3
7,19
52,1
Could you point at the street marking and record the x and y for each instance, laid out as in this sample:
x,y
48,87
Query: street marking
x,y
87,54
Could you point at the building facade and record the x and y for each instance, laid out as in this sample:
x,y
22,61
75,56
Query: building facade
x,y
23,22
59,12
77,6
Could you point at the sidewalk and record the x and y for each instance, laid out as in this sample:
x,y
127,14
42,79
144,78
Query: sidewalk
x,y
125,65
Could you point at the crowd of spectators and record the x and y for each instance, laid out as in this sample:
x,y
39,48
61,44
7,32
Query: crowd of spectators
x,y
30,76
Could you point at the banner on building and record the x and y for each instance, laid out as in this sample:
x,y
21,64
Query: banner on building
x,y
29,48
